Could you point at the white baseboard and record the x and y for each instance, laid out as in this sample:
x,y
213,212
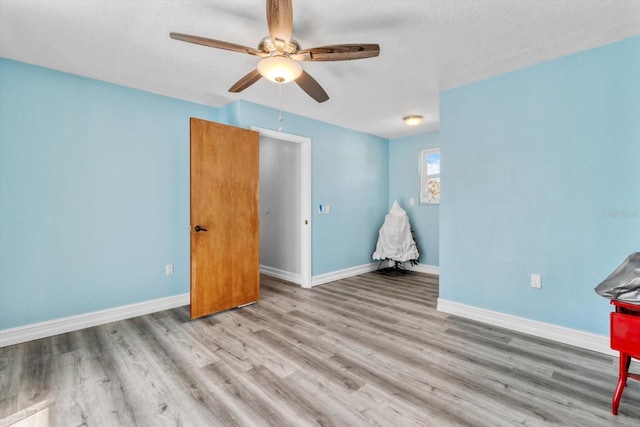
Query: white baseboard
x,y
73,323
561,334
366,268
424,268
281,274
343,274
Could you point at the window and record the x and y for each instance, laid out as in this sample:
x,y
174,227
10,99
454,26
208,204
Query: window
x,y
430,177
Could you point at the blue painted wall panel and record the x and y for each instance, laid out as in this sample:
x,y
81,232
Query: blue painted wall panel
x,y
94,194
541,174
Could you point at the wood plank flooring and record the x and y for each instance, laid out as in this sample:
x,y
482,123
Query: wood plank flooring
x,y
368,350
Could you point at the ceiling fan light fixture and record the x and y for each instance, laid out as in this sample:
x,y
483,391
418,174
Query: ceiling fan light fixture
x,y
413,120
279,69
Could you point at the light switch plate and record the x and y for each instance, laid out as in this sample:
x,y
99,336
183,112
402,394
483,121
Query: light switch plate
x,y
536,281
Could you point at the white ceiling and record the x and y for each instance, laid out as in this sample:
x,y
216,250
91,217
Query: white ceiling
x,y
426,46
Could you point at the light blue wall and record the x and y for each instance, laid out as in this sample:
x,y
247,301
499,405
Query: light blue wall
x,y
404,184
541,174
350,172
94,194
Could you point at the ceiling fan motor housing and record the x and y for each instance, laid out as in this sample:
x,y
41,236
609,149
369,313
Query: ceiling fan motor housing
x,y
268,46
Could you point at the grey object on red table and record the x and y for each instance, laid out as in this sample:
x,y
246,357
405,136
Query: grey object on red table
x,y
624,283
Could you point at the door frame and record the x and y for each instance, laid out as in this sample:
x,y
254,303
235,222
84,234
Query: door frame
x,y
305,197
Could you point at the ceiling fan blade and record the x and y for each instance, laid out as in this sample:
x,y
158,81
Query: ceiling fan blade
x,y
280,22
246,81
311,87
338,52
217,44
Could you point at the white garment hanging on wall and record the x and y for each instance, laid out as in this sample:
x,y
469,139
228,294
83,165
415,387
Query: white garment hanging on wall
x,y
395,241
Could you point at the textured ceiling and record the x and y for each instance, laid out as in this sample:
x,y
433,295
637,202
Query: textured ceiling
x,y
426,46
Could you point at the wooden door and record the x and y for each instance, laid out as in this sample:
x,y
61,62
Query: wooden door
x,y
225,269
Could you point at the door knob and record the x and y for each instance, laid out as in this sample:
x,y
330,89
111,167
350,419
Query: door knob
x,y
198,229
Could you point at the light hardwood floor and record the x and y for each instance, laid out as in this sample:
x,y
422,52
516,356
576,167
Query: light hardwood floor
x,y
368,350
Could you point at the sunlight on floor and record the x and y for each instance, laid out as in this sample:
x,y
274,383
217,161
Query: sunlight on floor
x,y
34,416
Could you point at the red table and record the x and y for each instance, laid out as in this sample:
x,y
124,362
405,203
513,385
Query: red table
x,y
625,337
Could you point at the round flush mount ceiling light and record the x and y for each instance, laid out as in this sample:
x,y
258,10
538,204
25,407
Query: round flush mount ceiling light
x,y
279,69
413,120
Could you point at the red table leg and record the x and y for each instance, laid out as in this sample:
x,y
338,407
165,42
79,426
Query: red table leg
x,y
622,381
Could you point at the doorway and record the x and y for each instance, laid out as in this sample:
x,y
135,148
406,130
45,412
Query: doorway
x,y
285,206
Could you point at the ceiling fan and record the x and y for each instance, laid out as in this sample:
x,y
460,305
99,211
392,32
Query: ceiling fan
x,y
280,53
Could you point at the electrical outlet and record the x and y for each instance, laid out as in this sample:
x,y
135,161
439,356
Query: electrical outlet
x,y
168,269
536,281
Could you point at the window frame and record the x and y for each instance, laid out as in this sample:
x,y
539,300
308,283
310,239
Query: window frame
x,y
425,195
